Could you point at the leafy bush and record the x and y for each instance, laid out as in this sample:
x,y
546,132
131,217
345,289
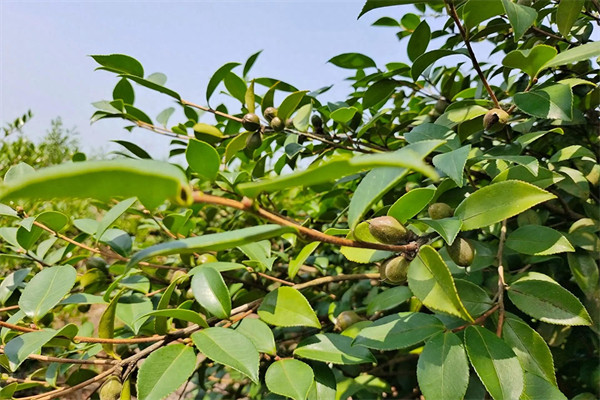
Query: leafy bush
x,y
434,234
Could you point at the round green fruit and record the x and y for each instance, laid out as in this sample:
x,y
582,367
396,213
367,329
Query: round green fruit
x,y
440,210
277,124
177,275
387,230
111,389
441,105
254,141
461,252
206,258
251,122
346,319
396,269
495,120
270,113
316,121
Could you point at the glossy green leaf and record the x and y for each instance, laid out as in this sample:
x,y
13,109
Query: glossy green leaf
x,y
134,148
529,346
443,369
152,182
551,102
473,296
537,387
377,92
411,203
164,370
296,263
388,299
567,13
333,348
543,179
353,61
520,17
496,202
339,167
218,77
475,12
419,40
120,63
19,348
379,181
286,306
180,314
290,378
448,228
399,331
259,334
130,310
106,325
325,384
236,144
113,214
373,4
235,86
12,282
495,363
152,85
343,115
289,105
250,99
124,91
203,159
207,133
427,59
453,163
301,120
583,268
46,289
575,54
228,347
250,62
212,242
572,152
211,292
547,301
431,282
538,240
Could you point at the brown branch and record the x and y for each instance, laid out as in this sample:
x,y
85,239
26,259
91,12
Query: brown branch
x,y
479,319
210,110
501,280
336,278
59,360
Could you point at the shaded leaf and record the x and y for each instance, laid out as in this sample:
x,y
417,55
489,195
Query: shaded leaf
x,y
290,378
286,306
333,348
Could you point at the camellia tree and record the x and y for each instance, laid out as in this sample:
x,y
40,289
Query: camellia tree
x,y
432,235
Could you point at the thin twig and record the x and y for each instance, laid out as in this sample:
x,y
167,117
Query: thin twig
x,y
501,280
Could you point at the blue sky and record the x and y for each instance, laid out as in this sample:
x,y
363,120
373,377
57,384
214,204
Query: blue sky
x,y
45,68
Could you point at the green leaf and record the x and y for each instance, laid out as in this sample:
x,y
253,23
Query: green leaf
x,y
106,325
130,310
388,299
475,12
572,152
290,378
551,102
448,228
217,77
399,331
547,301
333,348
158,78
286,306
575,54
520,17
453,163
134,148
206,132
19,348
113,214
379,181
236,86
211,292
203,159
411,203
163,117
443,369
475,299
120,63
373,4
180,314
353,61
302,118
250,99
338,167
228,347
431,282
583,268
427,59
289,104
343,115
250,62
164,371
236,144
495,363
46,289
152,85
496,202
538,240
529,346
212,242
543,179
259,334
567,13
152,182
363,256
124,91
12,282
539,388
377,92
419,40
296,263
325,384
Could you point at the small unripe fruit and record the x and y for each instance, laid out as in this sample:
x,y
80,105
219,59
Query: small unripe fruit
x,y
206,258
316,121
461,252
277,124
346,319
270,113
441,105
289,123
251,122
439,211
387,230
495,120
410,186
254,141
177,275
111,389
396,270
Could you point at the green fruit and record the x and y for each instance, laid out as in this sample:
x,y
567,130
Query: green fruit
x,y
441,105
387,230
189,295
206,258
410,186
270,113
289,123
440,210
396,269
316,121
495,120
277,124
346,319
111,389
178,275
461,252
251,122
254,141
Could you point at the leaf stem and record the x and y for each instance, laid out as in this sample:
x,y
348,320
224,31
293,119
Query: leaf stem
x,y
501,280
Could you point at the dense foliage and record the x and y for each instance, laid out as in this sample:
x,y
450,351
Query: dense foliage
x,y
432,235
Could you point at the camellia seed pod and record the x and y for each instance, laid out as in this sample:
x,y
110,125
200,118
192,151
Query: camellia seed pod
x,y
396,269
111,389
205,258
254,141
346,319
277,124
251,122
495,119
270,113
461,252
316,121
440,210
387,230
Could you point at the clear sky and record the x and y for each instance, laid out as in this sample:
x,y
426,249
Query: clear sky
x,y
45,68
